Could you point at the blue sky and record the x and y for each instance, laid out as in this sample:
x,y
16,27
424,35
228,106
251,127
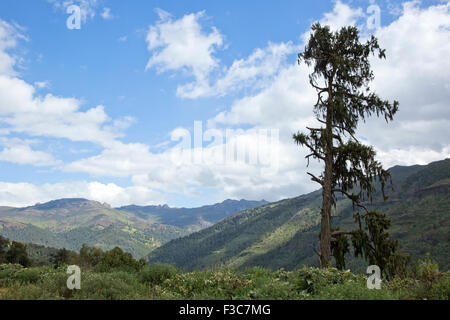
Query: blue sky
x,y
94,112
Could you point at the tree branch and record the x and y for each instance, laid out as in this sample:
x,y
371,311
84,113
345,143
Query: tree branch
x,y
351,197
314,178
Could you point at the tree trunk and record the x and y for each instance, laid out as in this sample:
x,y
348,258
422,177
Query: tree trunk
x,y
325,226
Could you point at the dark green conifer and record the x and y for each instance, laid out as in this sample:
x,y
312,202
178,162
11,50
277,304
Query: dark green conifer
x,y
341,76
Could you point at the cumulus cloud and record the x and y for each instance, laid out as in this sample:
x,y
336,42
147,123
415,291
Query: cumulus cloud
x,y
23,110
9,34
52,116
412,74
19,151
255,72
183,45
285,102
243,163
341,16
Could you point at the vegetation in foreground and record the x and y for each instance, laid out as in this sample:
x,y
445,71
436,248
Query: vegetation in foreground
x,y
162,281
115,275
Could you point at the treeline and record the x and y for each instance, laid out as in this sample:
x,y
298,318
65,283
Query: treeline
x,y
13,252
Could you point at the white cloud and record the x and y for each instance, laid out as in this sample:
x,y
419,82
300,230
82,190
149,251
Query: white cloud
x,y
412,73
341,16
9,34
417,135
19,151
26,194
22,110
106,14
51,116
271,173
255,72
183,45
180,45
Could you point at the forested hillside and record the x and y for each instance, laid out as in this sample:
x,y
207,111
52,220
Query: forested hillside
x,y
285,234
69,223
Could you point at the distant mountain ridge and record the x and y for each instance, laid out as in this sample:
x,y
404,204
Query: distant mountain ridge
x,y
71,222
284,234
192,218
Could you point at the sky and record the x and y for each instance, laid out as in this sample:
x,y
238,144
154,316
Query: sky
x,y
188,103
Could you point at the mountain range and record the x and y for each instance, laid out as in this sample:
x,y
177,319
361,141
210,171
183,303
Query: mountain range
x,y
285,234
241,233
137,229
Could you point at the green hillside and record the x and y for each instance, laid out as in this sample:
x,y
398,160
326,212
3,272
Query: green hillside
x,y
192,219
69,223
284,234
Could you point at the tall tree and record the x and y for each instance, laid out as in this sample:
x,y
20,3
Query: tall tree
x,y
61,257
17,253
341,76
3,248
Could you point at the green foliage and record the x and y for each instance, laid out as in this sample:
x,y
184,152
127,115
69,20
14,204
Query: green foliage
x,y
7,272
17,273
113,259
341,78
233,237
354,290
376,245
107,286
313,280
69,223
256,283
425,282
17,253
3,248
156,273
61,257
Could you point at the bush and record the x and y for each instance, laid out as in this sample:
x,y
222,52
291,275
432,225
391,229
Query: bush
x,y
313,280
107,286
426,282
353,290
7,272
156,273
28,275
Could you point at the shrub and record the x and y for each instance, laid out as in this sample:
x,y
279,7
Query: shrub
x,y
313,280
106,286
430,282
7,272
353,290
27,275
156,273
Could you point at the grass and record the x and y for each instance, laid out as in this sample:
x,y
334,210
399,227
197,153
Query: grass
x,y
162,281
